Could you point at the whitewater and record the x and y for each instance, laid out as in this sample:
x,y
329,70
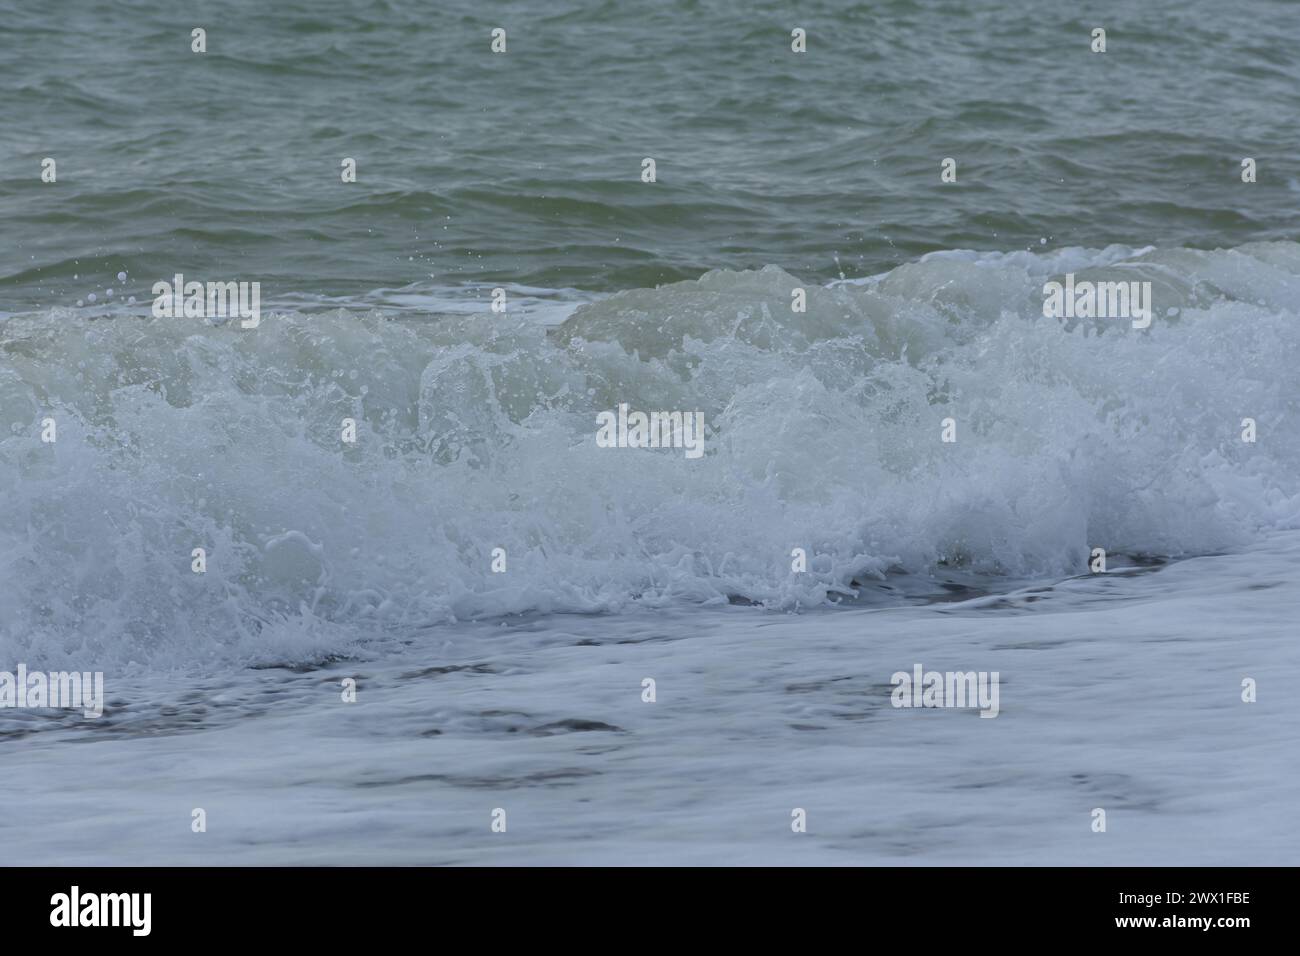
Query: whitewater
x,y
522,690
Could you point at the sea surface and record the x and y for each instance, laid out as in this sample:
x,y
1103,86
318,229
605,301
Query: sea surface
x,y
524,168
498,586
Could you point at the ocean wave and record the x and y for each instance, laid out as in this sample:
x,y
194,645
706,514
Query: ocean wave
x,y
478,432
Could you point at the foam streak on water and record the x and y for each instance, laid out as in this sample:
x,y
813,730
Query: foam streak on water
x,y
1118,691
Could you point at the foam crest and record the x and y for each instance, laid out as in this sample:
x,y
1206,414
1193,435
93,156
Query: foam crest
x,y
478,432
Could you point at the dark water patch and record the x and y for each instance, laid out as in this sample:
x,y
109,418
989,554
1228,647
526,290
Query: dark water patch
x,y
443,669
547,779
574,725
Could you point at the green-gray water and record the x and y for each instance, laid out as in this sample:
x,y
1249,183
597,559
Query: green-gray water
x,y
524,168
387,486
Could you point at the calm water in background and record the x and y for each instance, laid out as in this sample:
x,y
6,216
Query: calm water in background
x,y
524,168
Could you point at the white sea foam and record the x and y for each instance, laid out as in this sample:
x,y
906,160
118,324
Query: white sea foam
x,y
1123,692
476,432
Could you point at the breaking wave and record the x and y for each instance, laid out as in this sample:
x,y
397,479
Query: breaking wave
x,y
477,432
